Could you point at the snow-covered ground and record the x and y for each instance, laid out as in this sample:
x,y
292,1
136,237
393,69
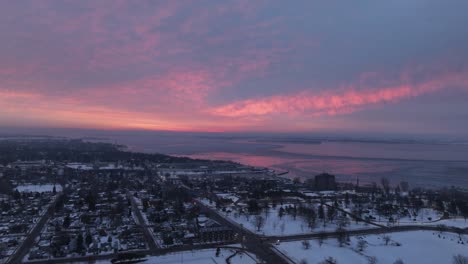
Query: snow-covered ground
x,y
203,257
79,166
274,225
207,202
207,256
38,188
414,247
424,216
427,217
234,198
453,222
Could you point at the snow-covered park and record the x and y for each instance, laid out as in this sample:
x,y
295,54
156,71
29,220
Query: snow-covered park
x,y
291,222
204,257
452,222
411,247
422,216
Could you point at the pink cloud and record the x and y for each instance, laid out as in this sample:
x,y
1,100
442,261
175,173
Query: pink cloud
x,y
188,90
341,101
163,66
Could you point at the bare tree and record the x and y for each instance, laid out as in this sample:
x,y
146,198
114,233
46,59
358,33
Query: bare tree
x,y
310,218
297,180
331,213
281,212
282,227
329,260
321,237
306,244
398,261
385,185
372,260
460,259
341,236
259,222
386,239
404,186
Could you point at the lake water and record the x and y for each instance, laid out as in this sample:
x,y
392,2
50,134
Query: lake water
x,y
420,164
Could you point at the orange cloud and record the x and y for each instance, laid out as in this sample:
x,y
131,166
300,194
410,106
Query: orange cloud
x,y
8,94
39,110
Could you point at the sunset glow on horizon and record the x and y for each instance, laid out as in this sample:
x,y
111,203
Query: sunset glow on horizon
x,y
234,66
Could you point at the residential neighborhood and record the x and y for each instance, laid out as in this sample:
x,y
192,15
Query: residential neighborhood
x,y
122,209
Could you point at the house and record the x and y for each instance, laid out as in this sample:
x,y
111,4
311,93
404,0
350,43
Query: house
x,y
215,234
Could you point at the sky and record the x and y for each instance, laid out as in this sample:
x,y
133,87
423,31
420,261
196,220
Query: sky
x,y
235,66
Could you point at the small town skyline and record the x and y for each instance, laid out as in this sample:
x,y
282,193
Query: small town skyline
x,y
234,131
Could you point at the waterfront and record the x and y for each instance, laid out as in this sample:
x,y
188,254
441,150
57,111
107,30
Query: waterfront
x,y
420,163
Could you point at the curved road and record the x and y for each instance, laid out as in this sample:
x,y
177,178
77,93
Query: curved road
x,y
251,241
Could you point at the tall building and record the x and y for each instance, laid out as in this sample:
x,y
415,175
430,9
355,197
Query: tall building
x,y
325,182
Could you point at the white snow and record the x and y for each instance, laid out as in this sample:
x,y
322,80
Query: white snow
x,y
201,257
38,188
207,202
453,222
287,224
206,256
230,196
415,247
424,216
79,166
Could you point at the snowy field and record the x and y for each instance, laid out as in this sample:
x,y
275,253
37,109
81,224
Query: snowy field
x,y
207,256
454,222
417,247
203,257
38,188
424,216
274,225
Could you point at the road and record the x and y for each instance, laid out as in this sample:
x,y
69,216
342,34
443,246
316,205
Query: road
x,y
149,238
262,246
368,231
152,251
259,245
157,252
30,238
253,246
252,242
